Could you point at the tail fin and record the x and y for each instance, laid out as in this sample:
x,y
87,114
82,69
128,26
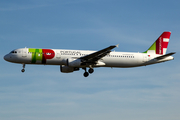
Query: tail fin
x,y
160,45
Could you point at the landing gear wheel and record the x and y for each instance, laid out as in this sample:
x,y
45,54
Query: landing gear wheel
x,y
23,70
91,70
86,74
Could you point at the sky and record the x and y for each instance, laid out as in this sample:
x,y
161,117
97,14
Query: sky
x,y
43,92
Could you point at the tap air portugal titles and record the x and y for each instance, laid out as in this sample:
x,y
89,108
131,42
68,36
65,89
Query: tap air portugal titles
x,y
73,60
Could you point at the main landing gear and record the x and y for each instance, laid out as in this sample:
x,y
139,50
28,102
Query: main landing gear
x,y
86,74
23,70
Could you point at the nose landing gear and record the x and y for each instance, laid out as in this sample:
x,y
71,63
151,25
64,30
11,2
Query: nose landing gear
x,y
23,70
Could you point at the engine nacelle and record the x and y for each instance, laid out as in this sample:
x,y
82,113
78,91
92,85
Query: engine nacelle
x,y
73,62
67,69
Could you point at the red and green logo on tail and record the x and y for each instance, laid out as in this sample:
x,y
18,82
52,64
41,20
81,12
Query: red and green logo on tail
x,y
160,45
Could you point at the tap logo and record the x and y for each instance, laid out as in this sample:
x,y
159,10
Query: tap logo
x,y
162,43
41,55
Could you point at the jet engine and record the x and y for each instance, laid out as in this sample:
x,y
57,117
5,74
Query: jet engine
x,y
67,69
73,62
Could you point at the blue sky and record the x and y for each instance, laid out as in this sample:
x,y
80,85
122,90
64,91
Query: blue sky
x,y
43,93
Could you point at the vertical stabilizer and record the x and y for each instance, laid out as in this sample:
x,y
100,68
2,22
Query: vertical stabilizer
x,y
160,45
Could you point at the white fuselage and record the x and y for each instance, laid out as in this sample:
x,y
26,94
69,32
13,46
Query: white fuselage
x,y
73,60
113,59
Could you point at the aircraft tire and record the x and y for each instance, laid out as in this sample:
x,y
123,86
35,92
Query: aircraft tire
x,y
23,70
86,74
91,70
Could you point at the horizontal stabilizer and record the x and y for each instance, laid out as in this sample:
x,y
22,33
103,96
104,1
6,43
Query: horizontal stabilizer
x,y
164,56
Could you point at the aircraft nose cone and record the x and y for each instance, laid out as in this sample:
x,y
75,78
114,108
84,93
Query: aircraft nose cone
x,y
6,57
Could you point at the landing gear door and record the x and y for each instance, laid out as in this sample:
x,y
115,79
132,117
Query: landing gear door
x,y
24,52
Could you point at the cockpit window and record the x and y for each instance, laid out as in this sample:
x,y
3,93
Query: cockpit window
x,y
13,51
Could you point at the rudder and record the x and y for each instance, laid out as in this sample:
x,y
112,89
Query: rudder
x,y
160,45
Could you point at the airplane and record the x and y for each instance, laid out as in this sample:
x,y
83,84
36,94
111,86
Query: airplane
x,y
73,60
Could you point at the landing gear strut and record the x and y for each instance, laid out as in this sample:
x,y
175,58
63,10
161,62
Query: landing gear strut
x,y
86,74
23,70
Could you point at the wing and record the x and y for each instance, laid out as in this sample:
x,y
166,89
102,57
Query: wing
x,y
94,57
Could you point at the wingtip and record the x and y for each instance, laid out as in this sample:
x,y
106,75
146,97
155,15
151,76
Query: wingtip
x,y
174,52
117,45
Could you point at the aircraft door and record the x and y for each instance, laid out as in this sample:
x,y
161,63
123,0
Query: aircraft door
x,y
24,52
145,57
58,56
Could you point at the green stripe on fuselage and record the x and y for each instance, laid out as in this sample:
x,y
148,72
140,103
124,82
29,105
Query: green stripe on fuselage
x,y
36,55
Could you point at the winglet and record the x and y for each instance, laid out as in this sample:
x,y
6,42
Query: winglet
x,y
117,45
